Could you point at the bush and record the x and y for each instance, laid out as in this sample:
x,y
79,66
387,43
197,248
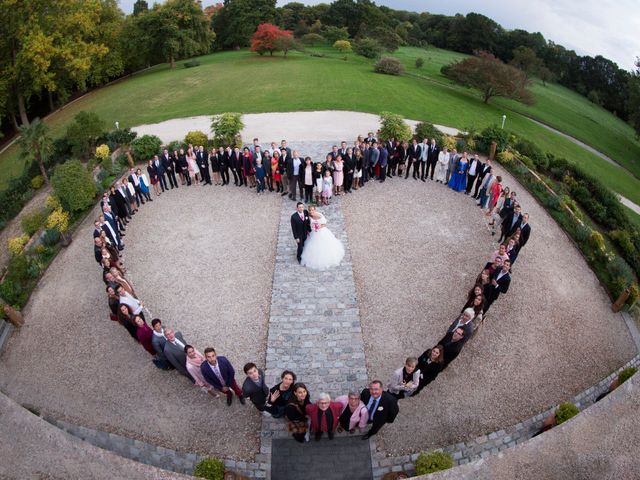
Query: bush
x,y
393,126
531,150
368,48
565,411
427,130
333,34
32,222
226,129
623,240
37,182
495,134
58,220
51,237
209,468
433,462
506,157
596,240
16,244
192,63
196,138
343,46
103,153
419,63
74,186
619,268
312,39
389,66
145,147
116,138
51,203
449,142
83,133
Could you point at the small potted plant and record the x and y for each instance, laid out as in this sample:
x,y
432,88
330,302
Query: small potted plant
x,y
564,412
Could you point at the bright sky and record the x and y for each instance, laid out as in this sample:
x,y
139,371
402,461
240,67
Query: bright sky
x,y
610,28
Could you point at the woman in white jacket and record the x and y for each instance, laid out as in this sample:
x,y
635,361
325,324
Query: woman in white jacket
x,y
405,380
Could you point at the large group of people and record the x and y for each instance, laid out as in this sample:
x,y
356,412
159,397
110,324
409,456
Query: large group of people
x,y
284,171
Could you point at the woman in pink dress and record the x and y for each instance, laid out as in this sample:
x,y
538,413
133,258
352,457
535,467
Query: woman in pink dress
x,y
194,360
338,175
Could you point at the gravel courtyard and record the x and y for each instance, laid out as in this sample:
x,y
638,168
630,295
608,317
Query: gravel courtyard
x,y
202,259
416,251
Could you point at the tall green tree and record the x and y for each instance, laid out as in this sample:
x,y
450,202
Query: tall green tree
x,y
45,44
237,21
36,144
634,98
526,60
139,7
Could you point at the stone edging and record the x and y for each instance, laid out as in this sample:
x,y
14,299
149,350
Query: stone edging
x,y
494,442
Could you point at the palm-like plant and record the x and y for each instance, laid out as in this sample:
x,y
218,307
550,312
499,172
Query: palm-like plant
x,y
36,144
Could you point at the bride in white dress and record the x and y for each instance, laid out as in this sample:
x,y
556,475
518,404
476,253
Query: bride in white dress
x,y
322,249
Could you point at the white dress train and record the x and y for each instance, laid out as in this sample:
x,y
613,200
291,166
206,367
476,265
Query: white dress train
x,y
322,250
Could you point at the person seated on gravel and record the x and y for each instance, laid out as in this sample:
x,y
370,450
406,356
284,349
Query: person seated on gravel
x,y
430,363
324,416
405,380
254,386
452,344
354,413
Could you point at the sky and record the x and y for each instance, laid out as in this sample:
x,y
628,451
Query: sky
x,y
610,28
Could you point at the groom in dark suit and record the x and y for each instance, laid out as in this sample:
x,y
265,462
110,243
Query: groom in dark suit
x,y
300,226
382,407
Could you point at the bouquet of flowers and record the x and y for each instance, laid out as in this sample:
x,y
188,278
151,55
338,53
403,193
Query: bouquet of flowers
x,y
315,226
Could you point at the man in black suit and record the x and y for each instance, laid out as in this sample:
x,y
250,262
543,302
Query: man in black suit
x,y
160,168
382,407
500,281
432,158
300,226
475,167
255,388
202,158
223,161
112,235
485,168
525,230
283,145
452,343
167,164
511,223
413,158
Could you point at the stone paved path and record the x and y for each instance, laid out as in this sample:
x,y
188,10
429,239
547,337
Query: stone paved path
x,y
314,325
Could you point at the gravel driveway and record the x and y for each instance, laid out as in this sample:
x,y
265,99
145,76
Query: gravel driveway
x,y
416,251
202,259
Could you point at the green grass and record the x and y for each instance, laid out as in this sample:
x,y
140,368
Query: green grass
x,y
245,82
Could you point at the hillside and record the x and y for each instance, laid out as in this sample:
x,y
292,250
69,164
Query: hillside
x,y
243,81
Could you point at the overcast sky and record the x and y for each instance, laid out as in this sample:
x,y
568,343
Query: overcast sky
x,y
610,28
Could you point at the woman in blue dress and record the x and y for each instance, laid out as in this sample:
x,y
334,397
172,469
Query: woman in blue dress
x,y
458,180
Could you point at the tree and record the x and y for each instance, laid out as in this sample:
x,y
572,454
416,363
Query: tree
x,y
226,129
286,43
333,34
238,20
343,46
368,48
84,132
265,38
491,76
634,98
312,38
546,75
35,143
526,60
139,7
393,126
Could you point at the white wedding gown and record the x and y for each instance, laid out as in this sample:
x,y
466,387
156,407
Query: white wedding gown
x,y
322,249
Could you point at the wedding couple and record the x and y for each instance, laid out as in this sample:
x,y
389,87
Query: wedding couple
x,y
318,248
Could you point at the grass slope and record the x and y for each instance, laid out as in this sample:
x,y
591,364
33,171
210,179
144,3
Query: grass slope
x,y
242,81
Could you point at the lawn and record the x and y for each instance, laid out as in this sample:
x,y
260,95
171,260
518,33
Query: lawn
x,y
245,82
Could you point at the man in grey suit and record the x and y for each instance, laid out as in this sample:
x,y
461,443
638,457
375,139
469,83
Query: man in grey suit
x,y
453,161
157,341
174,351
374,155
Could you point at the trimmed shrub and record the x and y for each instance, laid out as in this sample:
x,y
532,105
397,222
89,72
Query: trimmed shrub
x,y
389,66
74,186
626,374
393,126
495,134
51,237
343,46
506,157
368,48
433,462
226,129
33,222
16,244
196,138
192,63
58,220
145,147
37,182
51,203
209,468
103,153
419,63
565,411
427,130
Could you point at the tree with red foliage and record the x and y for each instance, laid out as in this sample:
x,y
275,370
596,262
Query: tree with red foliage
x,y
266,38
491,76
